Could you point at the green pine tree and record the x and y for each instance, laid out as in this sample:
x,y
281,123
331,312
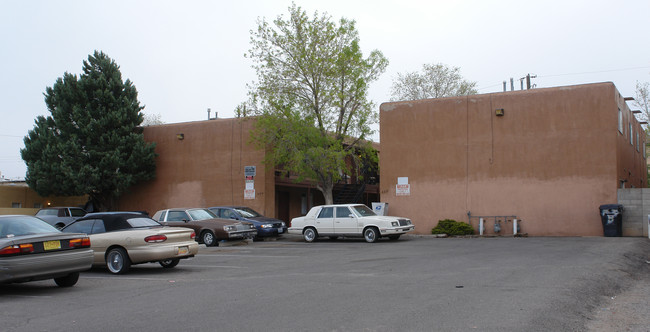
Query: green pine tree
x,y
91,144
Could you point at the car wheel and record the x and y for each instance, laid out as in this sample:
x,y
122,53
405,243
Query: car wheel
x,y
309,234
393,237
208,239
67,281
118,261
370,234
169,263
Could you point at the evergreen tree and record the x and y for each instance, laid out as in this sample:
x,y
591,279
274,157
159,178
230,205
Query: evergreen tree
x,y
91,144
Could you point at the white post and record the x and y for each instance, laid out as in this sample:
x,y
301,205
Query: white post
x,y
480,226
514,226
649,226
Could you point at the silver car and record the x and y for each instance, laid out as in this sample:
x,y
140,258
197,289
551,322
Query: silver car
x,y
30,249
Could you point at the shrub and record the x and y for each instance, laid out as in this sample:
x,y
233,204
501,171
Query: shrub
x,y
452,227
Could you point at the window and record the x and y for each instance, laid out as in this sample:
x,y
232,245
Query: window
x,y
177,216
83,226
620,121
38,205
631,135
343,212
637,143
326,212
15,205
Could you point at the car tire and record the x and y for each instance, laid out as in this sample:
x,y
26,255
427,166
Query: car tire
x,y
117,261
310,234
67,281
169,263
207,237
394,237
370,234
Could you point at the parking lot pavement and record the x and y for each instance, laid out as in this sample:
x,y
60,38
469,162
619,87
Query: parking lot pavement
x,y
414,284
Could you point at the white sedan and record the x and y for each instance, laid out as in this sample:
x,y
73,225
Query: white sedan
x,y
348,220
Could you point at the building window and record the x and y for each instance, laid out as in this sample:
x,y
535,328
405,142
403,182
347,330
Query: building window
x,y
631,135
15,205
620,121
38,205
638,149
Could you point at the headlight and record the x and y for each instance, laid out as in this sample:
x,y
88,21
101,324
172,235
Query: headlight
x,y
229,228
284,225
251,226
267,225
394,223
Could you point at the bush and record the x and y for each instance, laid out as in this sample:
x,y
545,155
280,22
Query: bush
x,y
452,227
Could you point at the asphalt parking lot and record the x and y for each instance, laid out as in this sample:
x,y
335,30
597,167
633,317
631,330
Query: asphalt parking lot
x,y
414,284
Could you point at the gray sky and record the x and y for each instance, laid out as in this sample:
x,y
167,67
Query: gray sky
x,y
187,56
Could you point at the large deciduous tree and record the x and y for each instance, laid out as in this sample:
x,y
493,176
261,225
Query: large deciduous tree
x,y
91,143
435,81
311,95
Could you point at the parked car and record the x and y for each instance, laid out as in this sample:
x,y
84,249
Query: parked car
x,y
122,239
348,220
210,228
266,227
31,249
59,217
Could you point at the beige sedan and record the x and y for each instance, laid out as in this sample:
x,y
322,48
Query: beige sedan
x,y
122,239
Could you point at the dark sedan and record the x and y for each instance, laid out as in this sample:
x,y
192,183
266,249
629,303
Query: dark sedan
x,y
266,227
31,249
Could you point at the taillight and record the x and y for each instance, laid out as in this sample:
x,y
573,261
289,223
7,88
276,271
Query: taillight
x,y
24,248
193,235
155,238
83,242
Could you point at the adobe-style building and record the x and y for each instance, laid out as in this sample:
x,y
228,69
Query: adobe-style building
x,y
212,162
547,157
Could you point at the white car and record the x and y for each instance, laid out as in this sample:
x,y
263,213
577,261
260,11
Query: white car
x,y
348,220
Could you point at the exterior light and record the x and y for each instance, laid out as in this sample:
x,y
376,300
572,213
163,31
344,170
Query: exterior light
x,y
180,136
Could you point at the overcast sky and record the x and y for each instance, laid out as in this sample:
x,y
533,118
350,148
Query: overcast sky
x,y
187,56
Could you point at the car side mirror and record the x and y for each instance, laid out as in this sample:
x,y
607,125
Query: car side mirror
x,y
351,215
185,220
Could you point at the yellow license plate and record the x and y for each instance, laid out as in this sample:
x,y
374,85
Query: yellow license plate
x,y
183,250
51,245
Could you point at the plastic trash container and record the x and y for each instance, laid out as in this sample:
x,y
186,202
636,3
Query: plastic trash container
x,y
611,216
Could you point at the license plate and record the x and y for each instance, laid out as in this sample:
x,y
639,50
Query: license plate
x,y
280,230
183,250
51,245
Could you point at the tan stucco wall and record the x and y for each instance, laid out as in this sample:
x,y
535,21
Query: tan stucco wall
x,y
19,192
551,160
205,168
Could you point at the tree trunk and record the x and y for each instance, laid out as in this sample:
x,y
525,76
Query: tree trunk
x,y
326,189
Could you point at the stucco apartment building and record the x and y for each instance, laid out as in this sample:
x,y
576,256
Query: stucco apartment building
x,y
212,162
547,157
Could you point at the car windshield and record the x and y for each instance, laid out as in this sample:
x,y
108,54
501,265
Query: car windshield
x,y
201,214
363,211
24,225
142,222
247,212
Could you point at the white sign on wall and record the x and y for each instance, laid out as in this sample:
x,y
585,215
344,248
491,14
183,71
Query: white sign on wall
x,y
249,194
403,188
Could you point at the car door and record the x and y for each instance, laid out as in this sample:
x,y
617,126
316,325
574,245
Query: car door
x,y
325,220
345,222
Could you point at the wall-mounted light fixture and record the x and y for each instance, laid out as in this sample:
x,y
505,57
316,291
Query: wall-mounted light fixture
x,y
180,136
499,112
